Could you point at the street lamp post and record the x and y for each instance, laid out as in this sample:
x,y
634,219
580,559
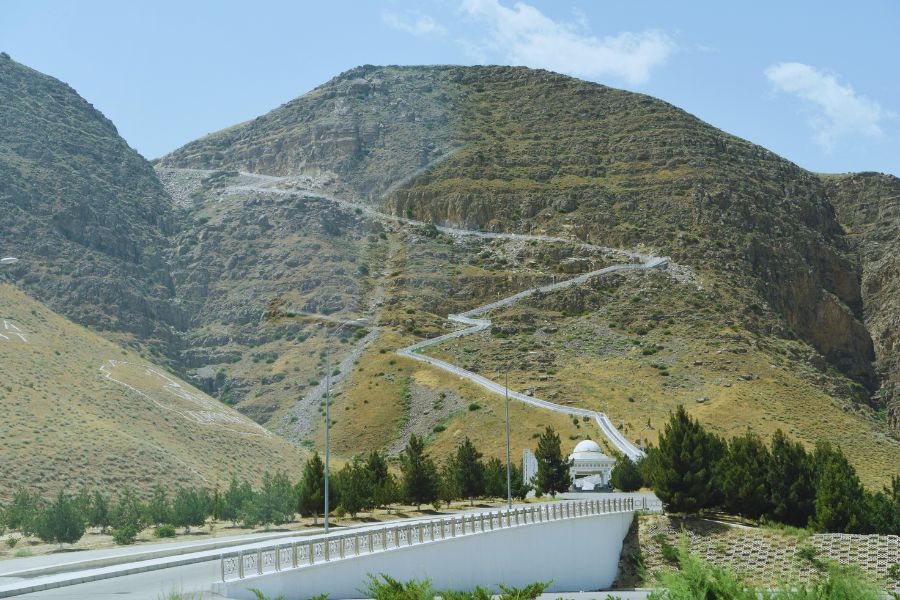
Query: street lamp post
x,y
327,422
508,467
328,413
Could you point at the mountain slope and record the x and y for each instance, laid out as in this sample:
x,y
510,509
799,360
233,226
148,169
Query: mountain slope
x,y
255,287
759,324
79,410
868,206
524,150
84,212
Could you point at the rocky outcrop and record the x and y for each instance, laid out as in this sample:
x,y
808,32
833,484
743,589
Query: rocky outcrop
x,y
85,213
868,207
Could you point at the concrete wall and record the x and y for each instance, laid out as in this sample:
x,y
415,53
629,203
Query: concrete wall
x,y
577,554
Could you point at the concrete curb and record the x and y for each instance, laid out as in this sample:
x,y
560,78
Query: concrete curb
x,y
8,591
150,554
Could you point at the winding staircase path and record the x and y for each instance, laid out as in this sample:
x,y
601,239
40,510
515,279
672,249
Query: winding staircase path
x,y
264,184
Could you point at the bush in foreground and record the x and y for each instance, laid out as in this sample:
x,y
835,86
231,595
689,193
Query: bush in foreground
x,y
698,579
389,588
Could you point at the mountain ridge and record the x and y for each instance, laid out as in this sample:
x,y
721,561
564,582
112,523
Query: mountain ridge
x,y
766,298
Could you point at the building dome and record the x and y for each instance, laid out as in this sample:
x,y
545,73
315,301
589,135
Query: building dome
x,y
587,446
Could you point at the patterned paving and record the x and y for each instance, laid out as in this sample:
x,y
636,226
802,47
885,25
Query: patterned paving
x,y
766,557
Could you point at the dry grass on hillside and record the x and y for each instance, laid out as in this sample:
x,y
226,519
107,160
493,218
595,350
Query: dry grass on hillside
x,y
67,425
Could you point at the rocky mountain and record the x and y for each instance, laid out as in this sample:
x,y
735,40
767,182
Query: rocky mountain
x,y
84,211
514,149
868,207
517,150
303,245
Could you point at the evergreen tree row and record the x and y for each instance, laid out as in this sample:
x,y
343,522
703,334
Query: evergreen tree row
x,y
693,470
362,485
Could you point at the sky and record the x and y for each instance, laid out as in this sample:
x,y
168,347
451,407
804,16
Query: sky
x,y
816,82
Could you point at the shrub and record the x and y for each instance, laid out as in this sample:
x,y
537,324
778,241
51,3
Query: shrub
x,y
439,428
164,531
699,579
126,534
479,593
529,592
474,406
12,541
260,596
391,589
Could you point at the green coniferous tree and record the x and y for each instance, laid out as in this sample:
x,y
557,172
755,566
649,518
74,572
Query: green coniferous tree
x,y
495,478
61,521
420,480
217,505
355,487
311,489
127,517
98,515
448,482
188,509
159,510
880,513
235,499
469,471
840,499
519,489
626,475
381,481
743,476
22,512
553,470
791,482
683,466
273,503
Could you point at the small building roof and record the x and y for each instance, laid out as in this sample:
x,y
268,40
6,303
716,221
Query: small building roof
x,y
589,450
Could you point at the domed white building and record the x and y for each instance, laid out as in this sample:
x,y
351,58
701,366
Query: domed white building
x,y
591,468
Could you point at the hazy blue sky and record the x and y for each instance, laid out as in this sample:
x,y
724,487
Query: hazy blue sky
x,y
817,82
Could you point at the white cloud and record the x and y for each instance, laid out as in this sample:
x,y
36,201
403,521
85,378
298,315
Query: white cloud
x,y
836,110
412,22
524,35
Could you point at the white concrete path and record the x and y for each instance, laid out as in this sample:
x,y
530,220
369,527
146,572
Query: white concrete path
x,y
266,184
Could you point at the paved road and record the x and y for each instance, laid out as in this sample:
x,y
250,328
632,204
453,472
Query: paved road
x,y
14,565
475,325
197,578
265,184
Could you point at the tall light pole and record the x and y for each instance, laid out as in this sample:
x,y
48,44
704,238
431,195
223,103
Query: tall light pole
x,y
328,411
327,421
508,467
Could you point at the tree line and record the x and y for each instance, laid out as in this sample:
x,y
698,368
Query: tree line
x,y
693,470
363,484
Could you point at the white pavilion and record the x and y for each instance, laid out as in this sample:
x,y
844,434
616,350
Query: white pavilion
x,y
591,468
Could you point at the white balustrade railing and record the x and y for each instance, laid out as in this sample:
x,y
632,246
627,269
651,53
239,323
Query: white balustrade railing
x,y
307,552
